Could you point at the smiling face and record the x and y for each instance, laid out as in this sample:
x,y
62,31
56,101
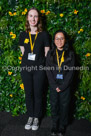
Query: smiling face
x,y
33,18
59,40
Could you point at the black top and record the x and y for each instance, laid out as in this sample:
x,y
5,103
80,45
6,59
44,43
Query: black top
x,y
42,41
67,74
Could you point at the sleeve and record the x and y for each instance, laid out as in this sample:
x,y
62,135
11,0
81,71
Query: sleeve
x,y
46,39
69,76
49,73
21,39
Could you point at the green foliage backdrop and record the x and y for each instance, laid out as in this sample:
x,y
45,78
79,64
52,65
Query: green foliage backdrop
x,y
73,16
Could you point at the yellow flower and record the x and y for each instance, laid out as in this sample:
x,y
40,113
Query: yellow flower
x,y
21,55
13,36
22,86
20,58
61,15
14,13
25,10
11,95
23,13
11,33
48,12
81,30
20,62
83,98
9,73
26,40
78,32
10,13
42,11
75,11
88,54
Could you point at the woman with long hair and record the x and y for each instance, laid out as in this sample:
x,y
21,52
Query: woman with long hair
x,y
60,58
34,45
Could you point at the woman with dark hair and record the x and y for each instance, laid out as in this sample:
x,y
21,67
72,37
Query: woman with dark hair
x,y
34,45
60,80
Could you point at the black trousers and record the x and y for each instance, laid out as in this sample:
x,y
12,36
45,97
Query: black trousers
x,y
60,107
33,85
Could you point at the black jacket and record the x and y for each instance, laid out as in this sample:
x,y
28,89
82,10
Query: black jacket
x,y
69,62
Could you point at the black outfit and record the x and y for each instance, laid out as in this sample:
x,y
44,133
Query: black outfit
x,y
33,80
60,100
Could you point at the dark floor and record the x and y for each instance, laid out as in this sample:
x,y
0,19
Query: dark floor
x,y
14,126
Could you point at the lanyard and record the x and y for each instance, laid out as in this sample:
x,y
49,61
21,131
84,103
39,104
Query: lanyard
x,y
32,44
61,61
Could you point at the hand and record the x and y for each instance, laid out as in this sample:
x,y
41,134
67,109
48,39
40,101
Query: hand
x,y
58,90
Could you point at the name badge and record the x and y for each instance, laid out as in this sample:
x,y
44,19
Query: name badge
x,y
31,56
59,76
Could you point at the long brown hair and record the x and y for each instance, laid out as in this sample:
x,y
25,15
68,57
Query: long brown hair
x,y
39,25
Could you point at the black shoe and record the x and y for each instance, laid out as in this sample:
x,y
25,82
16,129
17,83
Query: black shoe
x,y
53,132
60,133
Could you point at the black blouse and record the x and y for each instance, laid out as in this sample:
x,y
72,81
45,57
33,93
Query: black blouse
x,y
67,74
42,41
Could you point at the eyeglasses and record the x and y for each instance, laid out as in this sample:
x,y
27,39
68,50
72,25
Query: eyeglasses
x,y
57,39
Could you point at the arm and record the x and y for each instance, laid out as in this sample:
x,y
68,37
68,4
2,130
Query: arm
x,y
46,43
21,42
22,49
69,76
49,73
46,50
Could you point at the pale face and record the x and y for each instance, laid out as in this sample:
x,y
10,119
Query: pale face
x,y
59,40
33,18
